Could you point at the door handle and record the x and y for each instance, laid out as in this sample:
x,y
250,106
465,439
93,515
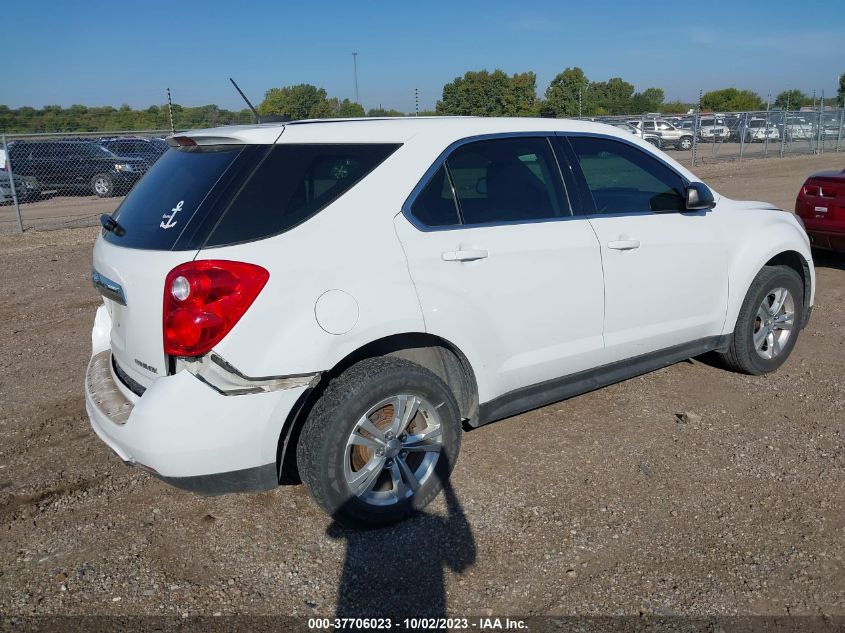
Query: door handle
x,y
464,256
624,245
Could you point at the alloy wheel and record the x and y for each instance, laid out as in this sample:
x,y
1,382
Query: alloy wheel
x,y
393,449
773,323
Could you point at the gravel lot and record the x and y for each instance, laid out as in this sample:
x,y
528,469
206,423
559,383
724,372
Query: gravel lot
x,y
688,491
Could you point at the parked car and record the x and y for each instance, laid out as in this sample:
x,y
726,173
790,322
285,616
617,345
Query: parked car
x,y
670,136
653,139
6,194
821,205
72,166
269,316
796,128
751,130
147,149
710,129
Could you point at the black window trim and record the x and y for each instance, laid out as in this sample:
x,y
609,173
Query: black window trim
x,y
587,207
440,161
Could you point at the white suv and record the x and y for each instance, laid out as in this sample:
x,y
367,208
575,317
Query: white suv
x,y
333,300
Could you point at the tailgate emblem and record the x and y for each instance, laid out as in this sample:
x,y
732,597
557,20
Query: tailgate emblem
x,y
170,222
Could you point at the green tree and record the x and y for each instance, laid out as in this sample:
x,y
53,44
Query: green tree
x,y
792,99
677,107
350,109
649,100
482,93
563,93
302,101
841,90
381,112
610,97
521,98
731,100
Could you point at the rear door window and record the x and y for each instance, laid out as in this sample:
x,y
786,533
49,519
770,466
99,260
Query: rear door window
x,y
507,180
435,205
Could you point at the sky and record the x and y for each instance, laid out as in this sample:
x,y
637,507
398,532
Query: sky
x,y
110,53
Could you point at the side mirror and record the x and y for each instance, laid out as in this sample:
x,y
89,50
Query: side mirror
x,y
699,197
481,186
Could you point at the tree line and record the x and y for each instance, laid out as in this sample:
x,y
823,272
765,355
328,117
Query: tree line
x,y
477,93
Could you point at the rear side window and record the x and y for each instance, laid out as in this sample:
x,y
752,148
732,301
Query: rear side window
x,y
624,179
291,184
507,180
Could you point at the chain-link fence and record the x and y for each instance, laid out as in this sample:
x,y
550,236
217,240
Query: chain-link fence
x,y
69,180
705,137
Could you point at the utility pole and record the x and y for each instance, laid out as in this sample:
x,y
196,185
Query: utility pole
x,y
579,103
170,108
355,70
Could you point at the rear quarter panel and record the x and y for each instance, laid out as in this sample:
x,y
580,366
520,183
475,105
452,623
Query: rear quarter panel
x,y
349,246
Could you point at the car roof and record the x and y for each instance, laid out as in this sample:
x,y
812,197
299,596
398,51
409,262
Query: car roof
x,y
389,129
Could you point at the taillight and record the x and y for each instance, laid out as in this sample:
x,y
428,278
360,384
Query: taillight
x,y
204,299
820,189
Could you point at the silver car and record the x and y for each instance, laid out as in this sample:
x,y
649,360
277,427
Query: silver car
x,y
668,133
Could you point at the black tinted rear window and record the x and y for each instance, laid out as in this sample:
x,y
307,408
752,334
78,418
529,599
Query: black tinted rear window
x,y
291,184
171,196
216,196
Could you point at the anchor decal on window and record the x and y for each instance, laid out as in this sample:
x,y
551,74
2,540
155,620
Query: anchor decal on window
x,y
170,222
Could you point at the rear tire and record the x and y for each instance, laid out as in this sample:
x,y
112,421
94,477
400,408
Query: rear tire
x,y
768,323
354,456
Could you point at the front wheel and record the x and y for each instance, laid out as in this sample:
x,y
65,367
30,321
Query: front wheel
x,y
768,323
102,185
380,442
685,143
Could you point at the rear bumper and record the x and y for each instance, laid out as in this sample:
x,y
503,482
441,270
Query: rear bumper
x,y
825,238
186,433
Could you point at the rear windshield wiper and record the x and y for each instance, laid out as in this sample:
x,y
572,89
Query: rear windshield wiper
x,y
112,225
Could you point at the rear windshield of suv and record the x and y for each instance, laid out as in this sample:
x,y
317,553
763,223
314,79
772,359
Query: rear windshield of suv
x,y
171,197
222,195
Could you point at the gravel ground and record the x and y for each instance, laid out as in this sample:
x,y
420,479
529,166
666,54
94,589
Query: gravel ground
x,y
689,491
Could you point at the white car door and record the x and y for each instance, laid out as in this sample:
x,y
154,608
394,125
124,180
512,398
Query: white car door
x,y
665,270
501,267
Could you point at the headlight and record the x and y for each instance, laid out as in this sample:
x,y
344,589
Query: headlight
x,y
123,167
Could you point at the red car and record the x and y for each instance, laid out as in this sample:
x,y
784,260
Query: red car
x,y
821,205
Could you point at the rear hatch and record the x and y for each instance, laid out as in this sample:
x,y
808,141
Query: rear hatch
x,y
162,223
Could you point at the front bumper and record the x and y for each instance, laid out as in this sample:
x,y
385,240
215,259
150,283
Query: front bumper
x,y
186,433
